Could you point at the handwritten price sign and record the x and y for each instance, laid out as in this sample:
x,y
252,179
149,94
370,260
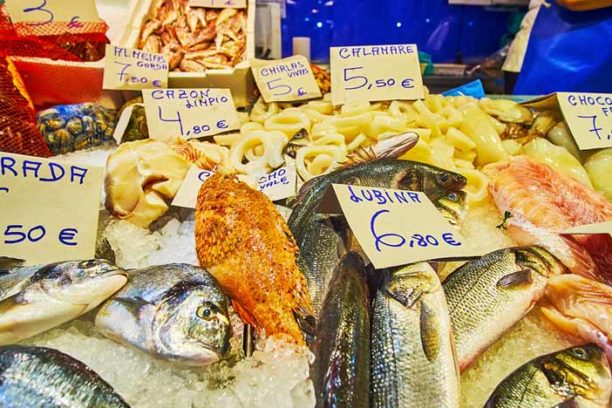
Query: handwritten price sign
x,y
218,3
285,80
589,118
375,73
396,227
126,68
49,209
42,12
277,185
189,113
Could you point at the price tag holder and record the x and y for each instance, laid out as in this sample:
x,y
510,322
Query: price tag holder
x,y
396,227
218,3
285,80
49,209
375,73
588,117
42,12
189,113
126,68
277,185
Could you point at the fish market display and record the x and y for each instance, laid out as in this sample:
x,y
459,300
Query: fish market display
x,y
67,128
321,244
489,295
578,376
543,203
413,355
194,39
38,377
246,245
176,312
581,307
36,299
342,343
140,177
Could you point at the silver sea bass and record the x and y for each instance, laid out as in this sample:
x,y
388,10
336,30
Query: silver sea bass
x,y
413,361
40,377
36,299
174,311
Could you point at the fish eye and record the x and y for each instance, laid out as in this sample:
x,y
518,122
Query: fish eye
x,y
443,178
88,264
580,353
453,197
205,312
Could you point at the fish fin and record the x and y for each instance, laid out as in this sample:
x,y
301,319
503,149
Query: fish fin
x,y
132,304
11,302
7,263
301,195
245,316
307,323
515,280
429,336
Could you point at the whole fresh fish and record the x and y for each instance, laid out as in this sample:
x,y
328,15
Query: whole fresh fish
x,y
543,203
245,243
321,244
341,369
176,312
40,377
413,356
38,298
581,307
489,295
574,377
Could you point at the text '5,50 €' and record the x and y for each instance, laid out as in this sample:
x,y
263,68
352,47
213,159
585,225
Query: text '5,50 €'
x,y
375,73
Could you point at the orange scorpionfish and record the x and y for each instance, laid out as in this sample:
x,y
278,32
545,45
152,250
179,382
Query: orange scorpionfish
x,y
246,244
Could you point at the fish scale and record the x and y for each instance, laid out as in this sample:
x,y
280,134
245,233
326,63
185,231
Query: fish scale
x,y
42,377
412,360
489,295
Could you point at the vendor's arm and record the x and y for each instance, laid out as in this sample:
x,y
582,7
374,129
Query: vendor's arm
x,y
584,5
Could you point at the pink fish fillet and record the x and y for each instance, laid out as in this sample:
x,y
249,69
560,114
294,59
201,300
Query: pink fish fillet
x,y
582,308
543,203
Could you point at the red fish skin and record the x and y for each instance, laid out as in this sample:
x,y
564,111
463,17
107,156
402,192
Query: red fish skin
x,y
543,203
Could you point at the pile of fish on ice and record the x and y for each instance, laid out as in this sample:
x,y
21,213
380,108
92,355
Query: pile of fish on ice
x,y
398,337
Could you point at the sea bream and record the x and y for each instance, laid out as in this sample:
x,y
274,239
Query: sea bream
x,y
175,312
37,298
40,377
489,295
574,377
321,238
413,355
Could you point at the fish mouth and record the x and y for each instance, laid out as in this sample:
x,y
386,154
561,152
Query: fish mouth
x,y
115,271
